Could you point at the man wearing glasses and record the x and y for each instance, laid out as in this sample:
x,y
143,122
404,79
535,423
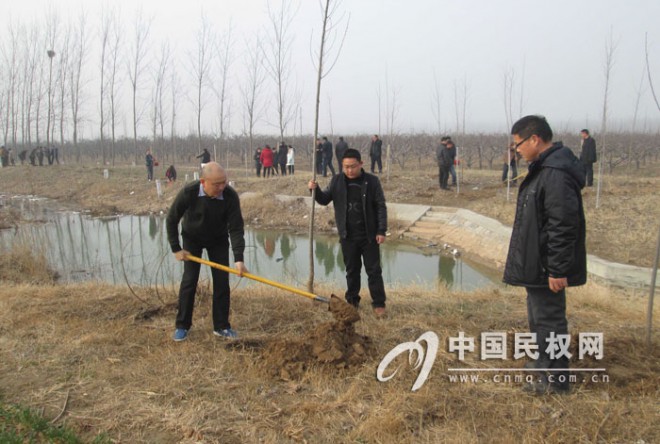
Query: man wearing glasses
x,y
361,218
547,250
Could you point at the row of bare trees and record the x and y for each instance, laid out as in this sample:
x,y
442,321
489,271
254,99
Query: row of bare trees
x,y
56,75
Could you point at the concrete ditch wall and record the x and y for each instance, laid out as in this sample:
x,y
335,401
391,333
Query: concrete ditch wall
x,y
487,240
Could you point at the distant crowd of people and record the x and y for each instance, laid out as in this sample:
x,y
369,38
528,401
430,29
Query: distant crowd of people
x,y
278,161
447,160
40,156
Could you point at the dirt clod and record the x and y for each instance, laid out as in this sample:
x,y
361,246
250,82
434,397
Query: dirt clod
x,y
332,343
342,310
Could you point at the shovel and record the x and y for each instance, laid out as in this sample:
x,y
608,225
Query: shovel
x,y
259,279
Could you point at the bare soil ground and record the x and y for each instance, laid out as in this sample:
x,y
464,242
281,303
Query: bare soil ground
x,y
101,359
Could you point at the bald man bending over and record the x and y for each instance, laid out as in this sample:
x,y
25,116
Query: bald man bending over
x,y
211,214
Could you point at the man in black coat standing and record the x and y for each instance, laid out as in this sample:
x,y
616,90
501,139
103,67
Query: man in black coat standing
x,y
327,157
547,251
340,149
376,154
361,218
588,155
443,155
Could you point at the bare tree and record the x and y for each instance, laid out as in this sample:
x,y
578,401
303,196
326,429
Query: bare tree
x,y
509,81
136,66
33,53
174,85
10,55
329,37
224,48
277,59
106,24
63,80
201,67
157,114
392,112
437,102
250,90
648,70
79,54
114,81
52,27
610,48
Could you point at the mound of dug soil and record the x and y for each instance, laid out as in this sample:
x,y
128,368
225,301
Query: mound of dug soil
x,y
332,343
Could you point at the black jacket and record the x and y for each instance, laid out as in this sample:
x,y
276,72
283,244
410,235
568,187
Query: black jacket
x,y
548,238
340,149
206,222
205,156
373,204
376,149
444,156
588,153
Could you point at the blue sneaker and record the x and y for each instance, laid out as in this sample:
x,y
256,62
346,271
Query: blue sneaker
x,y
180,334
229,333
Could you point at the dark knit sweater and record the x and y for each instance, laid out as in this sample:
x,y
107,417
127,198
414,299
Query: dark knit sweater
x,y
206,221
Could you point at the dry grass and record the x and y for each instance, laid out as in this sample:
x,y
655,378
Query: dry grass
x,y
22,264
113,358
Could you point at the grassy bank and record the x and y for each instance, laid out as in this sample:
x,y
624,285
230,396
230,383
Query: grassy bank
x,y
101,361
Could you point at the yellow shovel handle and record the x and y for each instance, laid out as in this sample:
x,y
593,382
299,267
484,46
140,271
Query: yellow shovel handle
x,y
257,278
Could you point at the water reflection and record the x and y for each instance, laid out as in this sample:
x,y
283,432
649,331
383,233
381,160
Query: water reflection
x,y
134,249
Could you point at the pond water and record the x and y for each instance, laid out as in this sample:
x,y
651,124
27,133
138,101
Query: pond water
x,y
134,250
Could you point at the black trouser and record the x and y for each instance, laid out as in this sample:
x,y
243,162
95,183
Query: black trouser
x,y
505,172
589,170
283,169
444,177
257,165
354,251
268,171
291,169
150,172
188,288
546,314
374,161
327,163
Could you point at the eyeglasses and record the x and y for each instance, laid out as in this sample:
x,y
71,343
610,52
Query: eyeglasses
x,y
516,145
352,166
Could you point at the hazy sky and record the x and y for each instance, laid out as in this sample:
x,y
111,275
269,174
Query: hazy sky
x,y
555,51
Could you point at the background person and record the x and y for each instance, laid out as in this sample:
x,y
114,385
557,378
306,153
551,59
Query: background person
x,y
170,174
547,251
290,160
205,157
211,214
282,154
361,218
588,155
340,149
257,161
510,159
376,154
327,157
444,159
149,162
266,159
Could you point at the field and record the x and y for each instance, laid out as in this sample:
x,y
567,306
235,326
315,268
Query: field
x,y
100,360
